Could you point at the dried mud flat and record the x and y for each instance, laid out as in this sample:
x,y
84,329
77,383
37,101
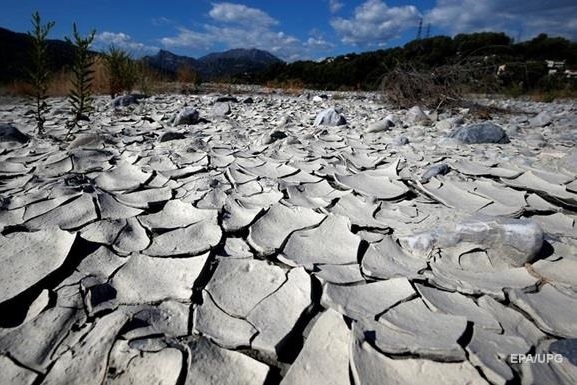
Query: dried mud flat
x,y
252,241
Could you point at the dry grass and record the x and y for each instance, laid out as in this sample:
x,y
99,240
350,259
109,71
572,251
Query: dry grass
x,y
293,87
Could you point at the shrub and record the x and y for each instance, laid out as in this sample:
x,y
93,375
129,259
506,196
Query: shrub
x,y
39,73
122,74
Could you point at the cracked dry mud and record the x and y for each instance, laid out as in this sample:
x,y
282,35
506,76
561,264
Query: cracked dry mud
x,y
290,240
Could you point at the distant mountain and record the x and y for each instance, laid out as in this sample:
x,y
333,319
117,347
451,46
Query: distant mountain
x,y
169,63
14,54
237,61
215,65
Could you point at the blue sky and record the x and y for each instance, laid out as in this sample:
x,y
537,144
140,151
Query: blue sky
x,y
290,29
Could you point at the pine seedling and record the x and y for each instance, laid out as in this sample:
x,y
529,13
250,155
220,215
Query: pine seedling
x,y
39,72
80,96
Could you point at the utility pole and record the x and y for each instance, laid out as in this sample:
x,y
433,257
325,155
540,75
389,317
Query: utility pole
x,y
428,34
420,29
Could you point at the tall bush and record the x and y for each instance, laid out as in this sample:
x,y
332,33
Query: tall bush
x,y
80,97
122,71
38,72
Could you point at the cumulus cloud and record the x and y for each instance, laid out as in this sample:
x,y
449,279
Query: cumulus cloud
x,y
374,23
121,40
239,26
335,5
241,14
532,16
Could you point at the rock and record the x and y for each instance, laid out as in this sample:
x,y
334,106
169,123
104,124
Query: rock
x,y
480,133
324,358
366,300
513,242
187,115
160,368
434,170
416,116
541,120
208,364
124,100
379,126
146,279
401,141
27,258
330,117
171,135
221,109
9,133
226,99
274,136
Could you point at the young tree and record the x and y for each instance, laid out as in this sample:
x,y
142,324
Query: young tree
x,y
80,96
39,72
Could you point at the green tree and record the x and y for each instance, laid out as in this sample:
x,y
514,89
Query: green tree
x,y
80,97
39,72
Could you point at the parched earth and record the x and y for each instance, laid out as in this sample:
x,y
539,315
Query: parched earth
x,y
272,239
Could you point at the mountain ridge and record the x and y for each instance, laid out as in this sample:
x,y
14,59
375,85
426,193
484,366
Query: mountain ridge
x,y
15,48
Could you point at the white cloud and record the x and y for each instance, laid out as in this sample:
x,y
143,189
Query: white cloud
x,y
238,26
188,38
557,17
106,39
241,14
335,5
374,23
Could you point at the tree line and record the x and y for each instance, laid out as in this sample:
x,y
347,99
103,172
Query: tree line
x,y
487,50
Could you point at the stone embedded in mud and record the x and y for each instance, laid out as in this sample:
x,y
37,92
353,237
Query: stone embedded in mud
x,y
187,115
513,241
9,133
330,117
480,133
